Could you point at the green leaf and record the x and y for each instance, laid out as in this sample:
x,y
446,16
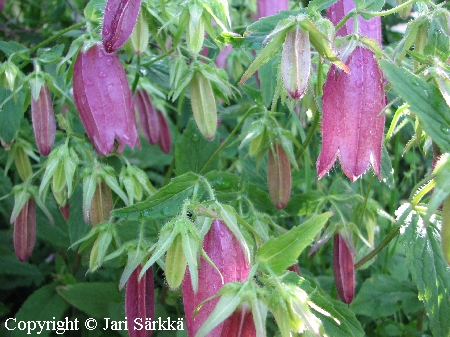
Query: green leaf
x,y
192,151
318,5
369,5
307,203
336,317
425,101
77,228
165,202
282,252
96,299
11,114
384,295
11,47
43,305
428,269
258,31
267,75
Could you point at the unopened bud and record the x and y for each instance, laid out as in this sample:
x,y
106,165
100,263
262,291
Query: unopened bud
x,y
25,230
43,118
279,176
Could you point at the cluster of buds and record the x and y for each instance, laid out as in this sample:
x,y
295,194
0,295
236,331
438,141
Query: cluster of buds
x,y
153,123
118,22
43,119
225,252
103,99
351,126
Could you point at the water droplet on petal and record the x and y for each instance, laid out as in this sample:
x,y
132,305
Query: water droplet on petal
x,y
358,63
109,60
359,83
101,74
89,83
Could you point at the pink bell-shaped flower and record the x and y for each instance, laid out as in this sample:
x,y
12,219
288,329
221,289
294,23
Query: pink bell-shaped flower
x,y
43,118
351,126
118,22
104,101
226,253
140,302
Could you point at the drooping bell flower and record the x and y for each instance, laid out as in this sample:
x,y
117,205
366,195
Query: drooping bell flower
x,y
226,253
344,269
140,301
118,22
279,178
351,126
104,101
43,119
271,7
165,139
148,116
25,230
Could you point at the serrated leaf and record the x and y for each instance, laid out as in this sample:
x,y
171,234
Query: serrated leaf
x,y
425,101
429,270
281,252
164,203
384,295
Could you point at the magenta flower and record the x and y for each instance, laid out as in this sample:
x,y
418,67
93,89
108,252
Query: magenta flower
x,y
344,269
118,22
226,253
351,126
271,7
140,301
148,116
43,119
104,101
25,230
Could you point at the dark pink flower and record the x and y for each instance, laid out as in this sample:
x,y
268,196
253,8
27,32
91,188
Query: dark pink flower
x,y
271,7
344,269
165,139
118,22
104,101
148,116
140,301
226,253
25,230
351,126
43,119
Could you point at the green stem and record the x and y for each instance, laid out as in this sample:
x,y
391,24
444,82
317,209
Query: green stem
x,y
214,155
56,36
379,248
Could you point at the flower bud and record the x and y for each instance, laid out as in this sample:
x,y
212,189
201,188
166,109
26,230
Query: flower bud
x,y
25,230
404,13
240,323
139,36
147,115
226,253
296,62
140,300
101,205
203,105
22,162
195,31
43,119
175,263
279,176
103,99
344,269
165,140
118,22
65,211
